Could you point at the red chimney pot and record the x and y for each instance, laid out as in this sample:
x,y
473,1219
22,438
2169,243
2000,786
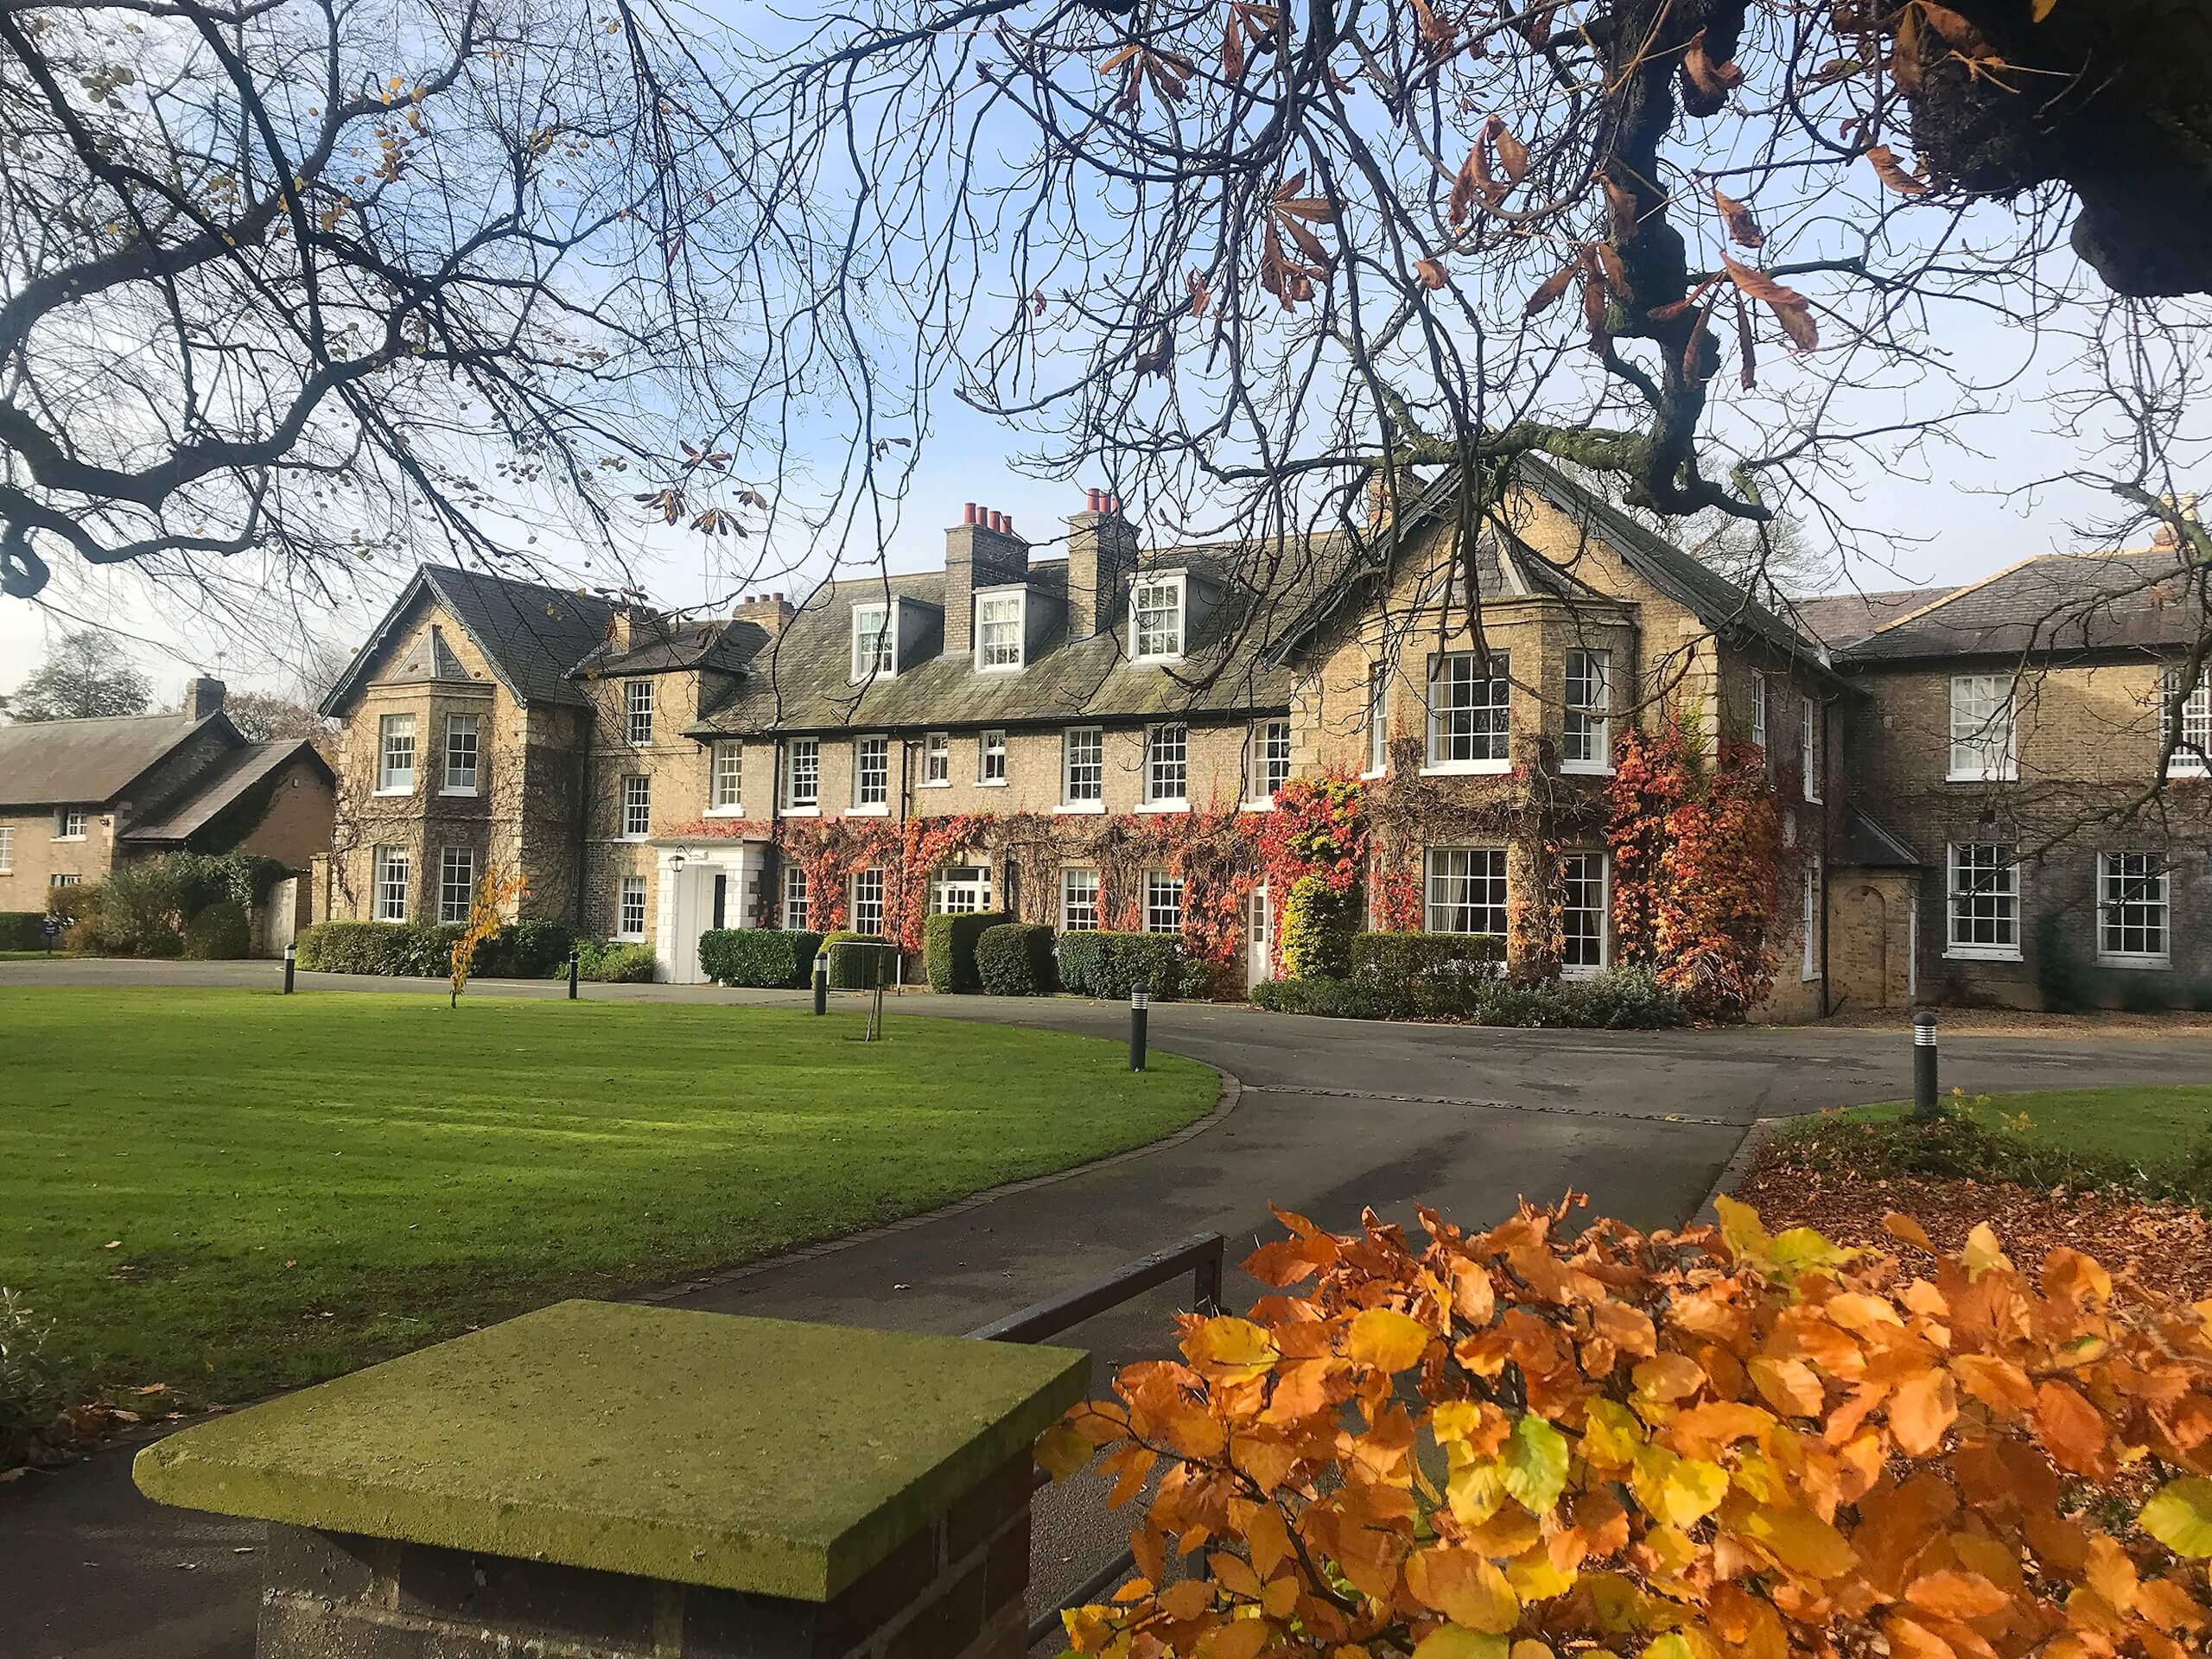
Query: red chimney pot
x,y
968,514
1093,501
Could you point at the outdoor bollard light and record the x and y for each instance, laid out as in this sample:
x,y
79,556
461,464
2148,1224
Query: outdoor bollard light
x,y
290,950
573,954
822,981
1924,1063
1138,1012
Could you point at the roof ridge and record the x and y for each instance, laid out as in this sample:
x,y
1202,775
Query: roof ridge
x,y
1960,592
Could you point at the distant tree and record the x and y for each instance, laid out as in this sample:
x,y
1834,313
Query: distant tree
x,y
265,717
86,676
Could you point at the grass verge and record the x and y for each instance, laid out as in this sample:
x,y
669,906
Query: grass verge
x,y
232,1190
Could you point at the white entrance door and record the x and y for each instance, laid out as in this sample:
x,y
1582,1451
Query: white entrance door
x,y
1259,932
703,891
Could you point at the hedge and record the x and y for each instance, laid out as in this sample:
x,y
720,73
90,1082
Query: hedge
x,y
855,967
531,950
218,932
23,929
1431,976
770,956
1317,927
1620,998
610,962
1015,959
949,948
1107,965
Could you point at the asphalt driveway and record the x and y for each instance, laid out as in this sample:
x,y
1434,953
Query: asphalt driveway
x,y
1330,1117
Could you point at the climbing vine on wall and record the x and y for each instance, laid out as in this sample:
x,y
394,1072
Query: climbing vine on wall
x,y
1697,865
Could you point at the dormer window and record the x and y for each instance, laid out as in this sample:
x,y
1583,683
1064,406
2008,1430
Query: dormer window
x,y
1156,619
999,620
875,641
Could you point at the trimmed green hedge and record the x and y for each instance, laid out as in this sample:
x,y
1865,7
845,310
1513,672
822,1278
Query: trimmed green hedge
x,y
1317,926
1108,964
23,929
1620,998
1016,959
218,934
531,950
855,967
609,961
1432,975
949,948
768,956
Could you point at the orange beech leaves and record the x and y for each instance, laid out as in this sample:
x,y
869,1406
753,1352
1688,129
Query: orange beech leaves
x,y
1524,1444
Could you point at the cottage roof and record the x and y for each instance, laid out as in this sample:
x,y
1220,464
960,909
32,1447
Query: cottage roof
x,y
224,786
51,762
2053,603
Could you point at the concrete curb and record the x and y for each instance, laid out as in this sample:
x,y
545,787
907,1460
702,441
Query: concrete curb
x,y
1232,1092
1737,1166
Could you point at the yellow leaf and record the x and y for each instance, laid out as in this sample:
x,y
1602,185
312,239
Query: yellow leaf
x,y
1241,1639
1187,1598
2112,1574
1983,1251
1610,1434
1061,1450
1680,1492
1236,1350
1740,1229
1535,1577
1800,1540
2180,1516
1387,1339
2040,9
1465,1587
1450,1642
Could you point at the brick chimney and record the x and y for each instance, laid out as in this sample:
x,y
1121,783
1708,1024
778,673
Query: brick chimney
x,y
980,552
770,611
620,626
202,697
1102,552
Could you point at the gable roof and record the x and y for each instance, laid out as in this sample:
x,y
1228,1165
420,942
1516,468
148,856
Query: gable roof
x,y
223,787
1866,843
1839,618
2054,602
54,762
659,644
529,633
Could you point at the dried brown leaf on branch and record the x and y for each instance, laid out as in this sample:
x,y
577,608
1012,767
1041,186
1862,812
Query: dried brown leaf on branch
x,y
1892,172
1431,273
1548,290
1789,306
1250,30
1743,227
1713,80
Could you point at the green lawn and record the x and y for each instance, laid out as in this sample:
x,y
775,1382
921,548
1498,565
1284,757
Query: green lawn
x,y
2154,1130
296,1187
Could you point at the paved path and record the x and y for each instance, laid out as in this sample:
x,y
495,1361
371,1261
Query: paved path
x,y
1333,1116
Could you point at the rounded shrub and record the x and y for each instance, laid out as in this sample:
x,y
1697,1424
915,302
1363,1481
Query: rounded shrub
x,y
1016,959
949,948
1316,930
610,962
766,956
218,932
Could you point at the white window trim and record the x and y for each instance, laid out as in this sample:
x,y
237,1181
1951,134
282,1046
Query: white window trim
x,y
1098,893
860,809
1182,903
7,849
800,808
1467,769
735,809
1068,803
621,892
468,906
1148,802
1428,877
2184,763
1433,768
1255,761
855,674
1809,907
61,818
414,757
1020,594
1600,716
1179,580
2137,960
449,789
929,781
1005,754
622,805
2006,769
1604,912
1812,752
1758,715
1377,712
378,862
630,711
1955,952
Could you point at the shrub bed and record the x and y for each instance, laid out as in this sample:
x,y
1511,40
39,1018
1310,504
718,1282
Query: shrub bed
x,y
23,929
856,966
949,948
1016,959
529,949
1108,964
772,958
1620,998
35,1388
609,961
218,934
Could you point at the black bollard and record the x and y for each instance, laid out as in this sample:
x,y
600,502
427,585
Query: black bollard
x,y
1924,1063
289,951
573,954
1138,1012
822,982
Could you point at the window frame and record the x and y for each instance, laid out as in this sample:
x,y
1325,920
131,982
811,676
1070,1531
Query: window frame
x,y
1261,761
636,806
2108,903
1156,883
65,878
1502,905
886,663
628,886
1095,738
63,817
389,729
7,849
638,712
1020,596
937,760
1971,950
986,749
1603,911
454,727
381,862
446,917
1379,720
1758,715
1181,582
797,906
1595,714
811,748
854,900
1808,920
730,748
1153,800
2196,712
1069,874
1490,721
881,744
1809,747
2005,768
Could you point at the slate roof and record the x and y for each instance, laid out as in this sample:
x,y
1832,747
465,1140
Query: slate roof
x,y
221,787
800,681
660,644
1839,618
2054,603
53,762
1864,842
531,634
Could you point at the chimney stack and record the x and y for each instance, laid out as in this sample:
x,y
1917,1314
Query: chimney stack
x,y
770,611
202,697
981,551
1102,554
619,628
